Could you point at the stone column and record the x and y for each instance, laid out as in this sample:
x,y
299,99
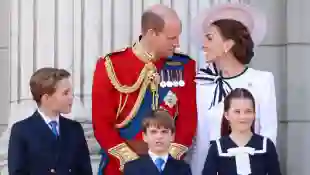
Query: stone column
x,y
271,56
297,122
4,62
71,34
56,33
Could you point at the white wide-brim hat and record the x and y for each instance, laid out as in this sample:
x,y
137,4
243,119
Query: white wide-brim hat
x,y
254,20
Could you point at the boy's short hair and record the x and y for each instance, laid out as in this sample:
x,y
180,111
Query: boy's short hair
x,y
44,81
159,118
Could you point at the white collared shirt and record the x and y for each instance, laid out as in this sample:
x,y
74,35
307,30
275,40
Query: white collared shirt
x,y
48,120
154,157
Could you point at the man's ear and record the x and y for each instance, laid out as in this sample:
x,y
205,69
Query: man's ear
x,y
151,33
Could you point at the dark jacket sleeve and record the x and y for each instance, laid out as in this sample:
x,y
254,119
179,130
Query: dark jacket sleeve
x,y
17,156
210,167
84,164
187,169
272,158
129,169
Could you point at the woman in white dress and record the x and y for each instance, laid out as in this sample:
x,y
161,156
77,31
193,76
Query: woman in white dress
x,y
227,35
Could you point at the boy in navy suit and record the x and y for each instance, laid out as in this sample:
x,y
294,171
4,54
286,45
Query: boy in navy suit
x,y
46,142
158,133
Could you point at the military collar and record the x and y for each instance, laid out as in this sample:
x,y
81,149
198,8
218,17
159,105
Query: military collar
x,y
140,52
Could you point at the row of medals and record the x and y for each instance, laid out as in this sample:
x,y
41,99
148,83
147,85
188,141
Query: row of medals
x,y
171,78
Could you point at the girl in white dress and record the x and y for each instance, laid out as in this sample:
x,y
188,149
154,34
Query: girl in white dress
x,y
227,35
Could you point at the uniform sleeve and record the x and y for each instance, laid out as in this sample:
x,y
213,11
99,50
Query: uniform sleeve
x,y
273,165
268,110
104,102
210,167
186,122
103,108
17,160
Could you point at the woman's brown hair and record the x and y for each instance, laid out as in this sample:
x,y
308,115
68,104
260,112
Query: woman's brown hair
x,y
236,31
234,94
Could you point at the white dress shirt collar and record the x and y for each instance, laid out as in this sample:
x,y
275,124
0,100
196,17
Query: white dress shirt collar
x,y
48,119
154,157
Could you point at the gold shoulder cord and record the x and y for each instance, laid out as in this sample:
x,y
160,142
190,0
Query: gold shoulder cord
x,y
143,82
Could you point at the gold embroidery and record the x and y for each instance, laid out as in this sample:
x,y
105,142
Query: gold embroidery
x,y
123,153
139,51
177,150
144,81
173,63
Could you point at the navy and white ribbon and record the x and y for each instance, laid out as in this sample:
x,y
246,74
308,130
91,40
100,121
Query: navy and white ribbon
x,y
211,75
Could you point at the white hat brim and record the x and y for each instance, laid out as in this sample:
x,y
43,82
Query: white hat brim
x,y
254,20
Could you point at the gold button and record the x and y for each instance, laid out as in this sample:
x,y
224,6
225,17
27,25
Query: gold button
x,y
53,171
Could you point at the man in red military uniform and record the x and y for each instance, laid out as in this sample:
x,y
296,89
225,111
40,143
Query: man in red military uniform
x,y
130,83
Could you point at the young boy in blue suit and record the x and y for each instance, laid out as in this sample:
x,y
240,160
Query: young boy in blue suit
x,y
47,142
158,133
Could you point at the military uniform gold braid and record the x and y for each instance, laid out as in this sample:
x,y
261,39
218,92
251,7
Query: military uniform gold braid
x,y
143,82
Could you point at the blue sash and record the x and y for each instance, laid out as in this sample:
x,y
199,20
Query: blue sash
x,y
134,127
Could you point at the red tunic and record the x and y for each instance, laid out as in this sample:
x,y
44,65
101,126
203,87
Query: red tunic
x,y
105,103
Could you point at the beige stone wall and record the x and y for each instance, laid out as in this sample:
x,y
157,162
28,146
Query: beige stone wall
x,y
4,62
286,52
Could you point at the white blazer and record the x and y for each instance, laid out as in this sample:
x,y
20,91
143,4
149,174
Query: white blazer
x,y
259,83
